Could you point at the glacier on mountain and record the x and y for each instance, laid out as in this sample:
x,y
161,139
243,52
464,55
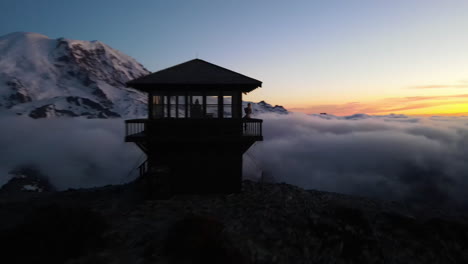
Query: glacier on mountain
x,y
43,77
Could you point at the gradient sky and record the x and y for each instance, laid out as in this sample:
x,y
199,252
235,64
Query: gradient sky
x,y
340,57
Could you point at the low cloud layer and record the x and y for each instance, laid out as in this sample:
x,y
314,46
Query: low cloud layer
x,y
390,157
71,152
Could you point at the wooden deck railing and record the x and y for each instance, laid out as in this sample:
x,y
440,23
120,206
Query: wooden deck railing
x,y
252,127
135,126
245,127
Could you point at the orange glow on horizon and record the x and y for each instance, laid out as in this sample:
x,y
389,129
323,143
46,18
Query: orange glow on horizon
x,y
446,105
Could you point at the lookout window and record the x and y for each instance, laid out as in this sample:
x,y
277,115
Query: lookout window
x,y
195,105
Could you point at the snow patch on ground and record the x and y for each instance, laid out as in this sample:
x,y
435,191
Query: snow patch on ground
x,y
32,188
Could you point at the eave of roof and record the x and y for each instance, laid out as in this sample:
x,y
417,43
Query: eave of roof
x,y
193,74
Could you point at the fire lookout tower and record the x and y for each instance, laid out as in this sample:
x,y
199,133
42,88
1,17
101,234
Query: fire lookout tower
x,y
195,135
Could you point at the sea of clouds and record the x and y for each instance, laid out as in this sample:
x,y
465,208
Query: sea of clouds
x,y
390,157
71,152
415,159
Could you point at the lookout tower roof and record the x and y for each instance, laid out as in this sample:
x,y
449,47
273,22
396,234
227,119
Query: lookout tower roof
x,y
193,75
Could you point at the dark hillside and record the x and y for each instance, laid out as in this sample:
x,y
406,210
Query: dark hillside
x,y
267,223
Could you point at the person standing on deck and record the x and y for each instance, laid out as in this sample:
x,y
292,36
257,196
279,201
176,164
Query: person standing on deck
x,y
248,111
196,110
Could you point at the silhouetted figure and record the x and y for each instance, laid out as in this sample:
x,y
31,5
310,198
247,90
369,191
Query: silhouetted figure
x,y
196,110
248,111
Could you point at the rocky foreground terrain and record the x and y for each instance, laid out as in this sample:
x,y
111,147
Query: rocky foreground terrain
x,y
266,223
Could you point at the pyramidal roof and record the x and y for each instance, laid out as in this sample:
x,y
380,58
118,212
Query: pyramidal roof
x,y
195,74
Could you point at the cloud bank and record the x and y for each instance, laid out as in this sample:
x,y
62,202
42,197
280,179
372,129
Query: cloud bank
x,y
390,157
73,153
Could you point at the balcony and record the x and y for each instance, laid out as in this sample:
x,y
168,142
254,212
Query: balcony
x,y
193,129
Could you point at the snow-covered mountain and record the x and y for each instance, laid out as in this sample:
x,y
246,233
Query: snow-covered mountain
x,y
42,77
263,107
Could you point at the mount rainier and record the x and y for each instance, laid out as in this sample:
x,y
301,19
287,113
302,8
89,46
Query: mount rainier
x,y
42,77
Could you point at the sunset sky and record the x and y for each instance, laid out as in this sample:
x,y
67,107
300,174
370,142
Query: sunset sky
x,y
335,56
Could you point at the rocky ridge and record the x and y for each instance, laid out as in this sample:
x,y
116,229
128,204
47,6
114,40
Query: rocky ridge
x,y
266,223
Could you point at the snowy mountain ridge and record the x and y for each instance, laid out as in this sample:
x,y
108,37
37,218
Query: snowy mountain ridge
x,y
42,77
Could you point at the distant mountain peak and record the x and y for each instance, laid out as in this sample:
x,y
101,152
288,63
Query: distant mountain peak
x,y
264,107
